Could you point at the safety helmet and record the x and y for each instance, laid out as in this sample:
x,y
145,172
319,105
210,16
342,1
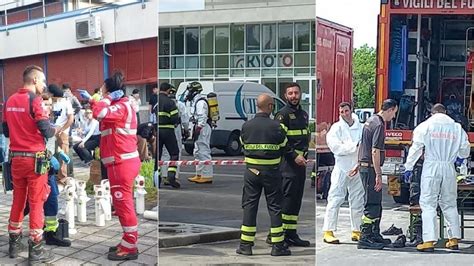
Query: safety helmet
x,y
172,92
194,86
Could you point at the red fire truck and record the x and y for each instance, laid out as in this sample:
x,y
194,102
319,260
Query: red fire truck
x,y
424,56
334,85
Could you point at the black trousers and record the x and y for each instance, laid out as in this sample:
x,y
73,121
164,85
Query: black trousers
x,y
373,199
294,177
254,181
86,153
167,138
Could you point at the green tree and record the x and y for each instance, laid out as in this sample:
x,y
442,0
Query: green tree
x,y
364,76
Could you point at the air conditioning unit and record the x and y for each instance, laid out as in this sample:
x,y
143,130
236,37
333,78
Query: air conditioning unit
x,y
88,29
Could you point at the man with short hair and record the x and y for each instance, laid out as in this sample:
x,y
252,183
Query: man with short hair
x,y
371,158
264,142
343,140
443,142
27,125
293,167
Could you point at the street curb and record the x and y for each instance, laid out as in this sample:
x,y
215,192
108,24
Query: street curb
x,y
217,234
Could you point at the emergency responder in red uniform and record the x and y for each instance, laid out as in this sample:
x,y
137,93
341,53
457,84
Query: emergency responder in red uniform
x,y
118,152
27,125
293,168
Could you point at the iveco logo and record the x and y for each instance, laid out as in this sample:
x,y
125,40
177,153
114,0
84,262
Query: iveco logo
x,y
394,134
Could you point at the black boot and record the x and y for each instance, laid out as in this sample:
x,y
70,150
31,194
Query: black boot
x,y
417,236
280,249
367,240
52,238
377,236
244,249
14,245
37,253
292,239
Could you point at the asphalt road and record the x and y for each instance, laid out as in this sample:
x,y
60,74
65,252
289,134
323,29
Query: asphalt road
x,y
219,204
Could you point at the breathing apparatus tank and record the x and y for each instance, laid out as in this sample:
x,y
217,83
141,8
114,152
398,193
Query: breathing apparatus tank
x,y
213,107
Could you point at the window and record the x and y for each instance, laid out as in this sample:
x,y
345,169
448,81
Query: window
x,y
192,62
222,61
192,40
237,38
164,62
207,40
253,38
222,40
177,37
285,33
269,37
207,62
302,36
164,44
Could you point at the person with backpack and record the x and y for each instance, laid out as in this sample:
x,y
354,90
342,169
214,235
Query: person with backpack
x,y
201,133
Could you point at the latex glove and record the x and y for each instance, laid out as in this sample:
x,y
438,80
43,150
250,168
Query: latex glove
x,y
54,163
459,162
198,130
85,95
64,157
407,176
116,95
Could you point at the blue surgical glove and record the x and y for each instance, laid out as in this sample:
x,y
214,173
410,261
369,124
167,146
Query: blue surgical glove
x,y
85,95
54,163
459,162
64,157
407,176
115,95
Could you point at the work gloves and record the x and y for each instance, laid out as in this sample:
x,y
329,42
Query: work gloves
x,y
116,95
406,177
459,162
85,95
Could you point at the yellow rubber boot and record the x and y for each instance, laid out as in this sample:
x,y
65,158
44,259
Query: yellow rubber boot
x,y
330,238
452,244
204,180
355,236
426,246
194,178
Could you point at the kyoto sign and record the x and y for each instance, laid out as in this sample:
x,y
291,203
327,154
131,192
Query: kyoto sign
x,y
433,4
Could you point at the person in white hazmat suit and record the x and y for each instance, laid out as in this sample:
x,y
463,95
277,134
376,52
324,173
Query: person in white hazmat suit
x,y
343,140
178,131
201,133
443,141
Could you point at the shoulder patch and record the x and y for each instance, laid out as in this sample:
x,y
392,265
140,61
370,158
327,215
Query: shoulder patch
x,y
279,117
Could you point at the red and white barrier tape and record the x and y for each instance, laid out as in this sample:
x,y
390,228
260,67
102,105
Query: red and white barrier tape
x,y
213,162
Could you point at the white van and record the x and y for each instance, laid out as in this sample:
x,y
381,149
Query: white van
x,y
237,104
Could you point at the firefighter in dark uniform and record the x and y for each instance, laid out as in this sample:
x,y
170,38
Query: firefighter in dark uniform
x,y
295,120
371,158
264,142
168,118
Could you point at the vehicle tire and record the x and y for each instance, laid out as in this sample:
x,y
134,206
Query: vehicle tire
x,y
234,147
404,197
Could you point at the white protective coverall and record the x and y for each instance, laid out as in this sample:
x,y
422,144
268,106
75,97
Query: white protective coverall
x,y
443,141
202,146
343,140
183,114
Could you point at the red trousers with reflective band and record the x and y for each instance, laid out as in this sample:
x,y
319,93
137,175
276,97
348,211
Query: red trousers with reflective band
x,y
121,178
28,185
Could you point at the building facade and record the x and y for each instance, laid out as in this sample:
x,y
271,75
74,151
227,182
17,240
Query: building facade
x,y
268,42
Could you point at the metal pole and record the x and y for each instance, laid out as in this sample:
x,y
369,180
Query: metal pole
x,y
419,67
44,16
6,20
465,78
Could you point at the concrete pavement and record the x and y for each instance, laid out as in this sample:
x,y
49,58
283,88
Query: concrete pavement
x,y
90,244
347,253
